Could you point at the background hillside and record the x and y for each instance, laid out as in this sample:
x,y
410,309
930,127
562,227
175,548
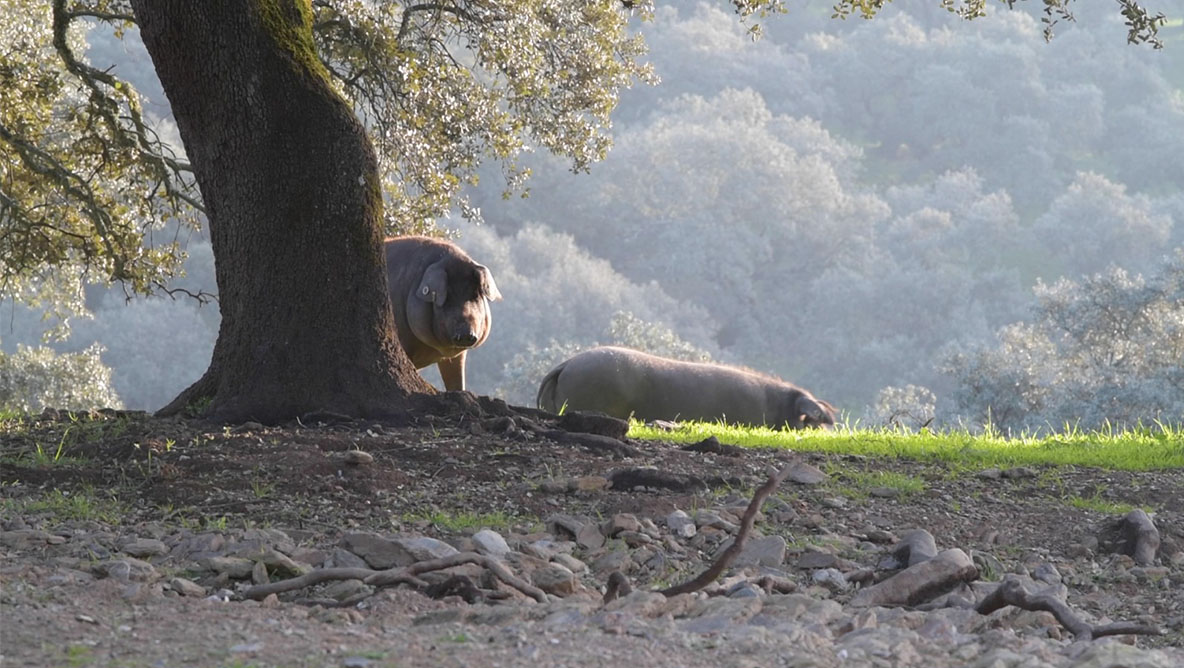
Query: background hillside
x,y
910,216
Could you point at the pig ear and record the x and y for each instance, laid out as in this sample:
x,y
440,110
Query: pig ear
x,y
814,411
488,287
434,285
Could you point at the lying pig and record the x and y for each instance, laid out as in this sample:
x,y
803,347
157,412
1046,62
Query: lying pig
x,y
623,383
440,298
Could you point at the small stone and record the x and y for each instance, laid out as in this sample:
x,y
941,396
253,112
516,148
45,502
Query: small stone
x,y
259,573
681,524
761,551
187,587
423,548
622,522
814,559
344,589
237,568
357,457
612,561
715,520
806,474
589,537
555,579
488,541
831,578
570,563
128,569
378,552
635,538
144,547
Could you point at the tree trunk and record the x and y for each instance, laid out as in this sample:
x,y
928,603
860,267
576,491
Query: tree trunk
x,y
290,185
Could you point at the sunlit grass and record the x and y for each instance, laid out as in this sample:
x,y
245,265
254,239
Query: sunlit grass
x,y
1143,449
1100,505
81,505
460,521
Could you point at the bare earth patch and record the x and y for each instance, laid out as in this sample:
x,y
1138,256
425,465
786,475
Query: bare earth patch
x,y
95,483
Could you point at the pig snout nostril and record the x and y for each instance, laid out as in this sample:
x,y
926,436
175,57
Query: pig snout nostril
x,y
469,339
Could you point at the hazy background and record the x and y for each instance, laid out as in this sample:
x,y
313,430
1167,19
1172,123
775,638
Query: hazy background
x,y
878,211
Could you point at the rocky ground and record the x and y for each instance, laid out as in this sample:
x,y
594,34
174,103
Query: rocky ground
x,y
474,533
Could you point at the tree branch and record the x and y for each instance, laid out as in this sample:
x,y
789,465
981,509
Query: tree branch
x,y
746,522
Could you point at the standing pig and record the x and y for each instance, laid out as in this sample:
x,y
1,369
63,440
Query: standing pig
x,y
623,383
440,298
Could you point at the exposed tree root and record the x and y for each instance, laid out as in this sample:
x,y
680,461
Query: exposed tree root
x,y
405,575
1012,592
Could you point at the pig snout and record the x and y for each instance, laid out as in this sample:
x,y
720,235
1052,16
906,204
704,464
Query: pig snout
x,y
465,339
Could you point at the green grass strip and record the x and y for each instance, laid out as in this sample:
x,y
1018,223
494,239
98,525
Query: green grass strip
x,y
1144,449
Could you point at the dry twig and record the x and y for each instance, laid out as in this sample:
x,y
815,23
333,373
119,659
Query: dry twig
x,y
746,522
1012,592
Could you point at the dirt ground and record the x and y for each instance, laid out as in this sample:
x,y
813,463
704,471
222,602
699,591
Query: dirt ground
x,y
445,475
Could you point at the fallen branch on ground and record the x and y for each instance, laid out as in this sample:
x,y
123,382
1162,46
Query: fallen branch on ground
x,y
1012,592
404,575
746,521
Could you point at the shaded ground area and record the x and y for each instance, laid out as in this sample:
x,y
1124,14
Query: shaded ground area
x,y
449,471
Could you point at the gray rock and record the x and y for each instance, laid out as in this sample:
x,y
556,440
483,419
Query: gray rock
x,y
921,582
344,589
745,590
621,522
378,552
915,546
715,520
617,560
237,568
555,579
422,548
144,547
128,569
342,558
759,551
1047,573
806,474
831,578
571,563
589,537
681,524
817,559
187,587
490,542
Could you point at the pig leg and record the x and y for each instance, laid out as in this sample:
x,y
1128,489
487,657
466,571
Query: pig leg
x,y
452,372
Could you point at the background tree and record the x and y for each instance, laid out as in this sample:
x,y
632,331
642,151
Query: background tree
x,y
431,90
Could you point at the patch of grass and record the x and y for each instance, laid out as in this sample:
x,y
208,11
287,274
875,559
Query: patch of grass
x,y
461,521
61,506
862,482
79,655
1097,504
1143,449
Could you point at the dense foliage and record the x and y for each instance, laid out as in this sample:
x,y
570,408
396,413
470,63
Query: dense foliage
x,y
850,205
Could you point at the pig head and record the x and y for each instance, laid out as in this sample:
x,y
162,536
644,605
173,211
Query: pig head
x,y
440,299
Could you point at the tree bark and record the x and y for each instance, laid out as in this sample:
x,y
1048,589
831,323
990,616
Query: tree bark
x,y
290,182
